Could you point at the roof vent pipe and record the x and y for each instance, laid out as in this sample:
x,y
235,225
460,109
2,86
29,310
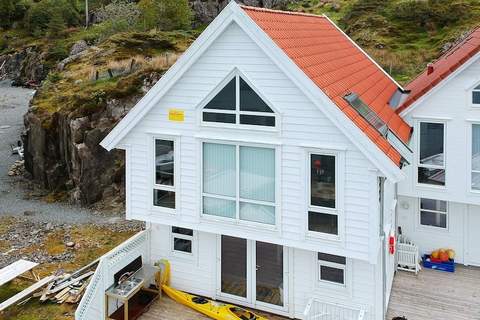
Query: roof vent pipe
x,y
430,68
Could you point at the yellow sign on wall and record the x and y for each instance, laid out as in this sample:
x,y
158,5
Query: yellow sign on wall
x,y
176,115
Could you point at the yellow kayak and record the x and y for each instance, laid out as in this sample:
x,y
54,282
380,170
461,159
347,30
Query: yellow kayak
x,y
210,308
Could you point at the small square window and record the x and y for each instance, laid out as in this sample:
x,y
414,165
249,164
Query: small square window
x,y
323,222
331,268
163,198
433,213
182,240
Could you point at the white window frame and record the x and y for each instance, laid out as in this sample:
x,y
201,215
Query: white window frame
x,y
421,165
237,197
475,105
191,238
154,186
339,183
428,227
237,74
470,157
330,264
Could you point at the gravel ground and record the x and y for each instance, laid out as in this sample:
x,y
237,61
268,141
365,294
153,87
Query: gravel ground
x,y
15,198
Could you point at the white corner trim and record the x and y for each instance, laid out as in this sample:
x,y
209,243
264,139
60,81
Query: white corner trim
x,y
440,85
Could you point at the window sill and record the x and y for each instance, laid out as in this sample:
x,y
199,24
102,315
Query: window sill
x,y
312,235
240,223
432,229
163,210
430,187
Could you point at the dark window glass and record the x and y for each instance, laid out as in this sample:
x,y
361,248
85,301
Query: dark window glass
x,y
322,222
164,162
257,120
187,232
476,96
332,258
234,266
322,181
332,274
431,144
219,117
182,245
250,100
225,99
431,176
162,198
433,205
434,219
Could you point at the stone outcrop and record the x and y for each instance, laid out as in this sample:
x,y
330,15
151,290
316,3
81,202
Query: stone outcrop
x,y
24,68
207,10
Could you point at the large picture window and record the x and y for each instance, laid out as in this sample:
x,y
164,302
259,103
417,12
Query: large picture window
x,y
475,157
238,103
239,182
431,162
433,213
331,268
322,213
164,184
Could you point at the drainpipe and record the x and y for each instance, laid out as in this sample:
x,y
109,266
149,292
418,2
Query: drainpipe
x,y
381,187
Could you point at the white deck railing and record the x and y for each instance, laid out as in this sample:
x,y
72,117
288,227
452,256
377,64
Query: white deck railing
x,y
92,305
318,310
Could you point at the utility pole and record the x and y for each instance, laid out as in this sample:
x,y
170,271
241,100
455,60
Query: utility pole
x,y
86,13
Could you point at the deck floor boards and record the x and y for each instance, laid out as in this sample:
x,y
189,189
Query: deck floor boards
x,y
167,309
436,295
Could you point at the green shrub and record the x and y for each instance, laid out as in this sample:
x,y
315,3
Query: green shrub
x,y
40,13
166,14
11,11
118,16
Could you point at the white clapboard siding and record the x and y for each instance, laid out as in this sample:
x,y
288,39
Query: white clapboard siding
x,y
301,124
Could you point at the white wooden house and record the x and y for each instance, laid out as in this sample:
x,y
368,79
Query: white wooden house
x,y
265,163
439,202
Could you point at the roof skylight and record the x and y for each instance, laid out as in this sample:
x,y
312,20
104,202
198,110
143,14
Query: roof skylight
x,y
364,110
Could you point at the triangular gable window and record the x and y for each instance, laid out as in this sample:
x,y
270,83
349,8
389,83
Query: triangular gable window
x,y
238,103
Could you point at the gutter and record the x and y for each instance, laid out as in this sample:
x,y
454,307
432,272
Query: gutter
x,y
381,181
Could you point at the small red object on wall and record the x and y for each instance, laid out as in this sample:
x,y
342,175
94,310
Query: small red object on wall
x,y
391,243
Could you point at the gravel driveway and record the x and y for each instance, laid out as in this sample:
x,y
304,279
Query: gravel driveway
x,y
14,200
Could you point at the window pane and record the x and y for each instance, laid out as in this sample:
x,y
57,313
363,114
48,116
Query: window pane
x,y
476,147
434,205
476,180
182,245
257,120
431,143
219,173
435,219
322,181
225,99
431,176
257,213
249,99
219,207
187,232
164,162
321,222
162,198
476,97
257,173
234,266
219,117
332,258
331,274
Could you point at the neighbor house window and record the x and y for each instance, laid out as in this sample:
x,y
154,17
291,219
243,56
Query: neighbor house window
x,y
433,213
164,184
475,157
431,165
476,95
331,268
238,103
239,182
322,211
182,240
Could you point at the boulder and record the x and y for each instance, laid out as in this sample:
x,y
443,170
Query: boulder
x,y
78,47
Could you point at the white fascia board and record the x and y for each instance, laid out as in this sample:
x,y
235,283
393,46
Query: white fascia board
x,y
319,98
440,85
169,78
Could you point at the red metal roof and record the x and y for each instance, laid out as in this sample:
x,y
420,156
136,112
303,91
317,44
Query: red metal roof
x,y
337,66
442,68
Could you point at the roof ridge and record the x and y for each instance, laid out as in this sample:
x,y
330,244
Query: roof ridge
x,y
293,13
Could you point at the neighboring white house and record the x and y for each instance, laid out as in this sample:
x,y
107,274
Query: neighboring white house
x,y
439,202
265,163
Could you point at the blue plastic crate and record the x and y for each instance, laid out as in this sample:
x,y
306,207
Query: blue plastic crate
x,y
448,266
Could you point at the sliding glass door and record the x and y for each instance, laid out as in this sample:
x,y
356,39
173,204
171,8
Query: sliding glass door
x,y
252,272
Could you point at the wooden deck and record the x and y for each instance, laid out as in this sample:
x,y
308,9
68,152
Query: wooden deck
x,y
167,309
436,295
